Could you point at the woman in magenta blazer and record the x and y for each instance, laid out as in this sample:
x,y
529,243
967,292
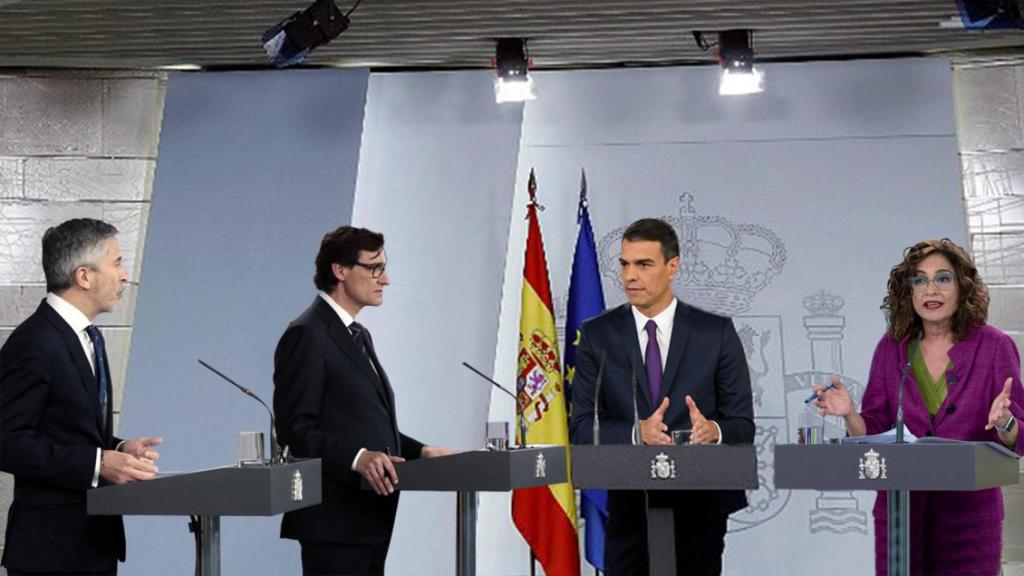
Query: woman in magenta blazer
x,y
964,384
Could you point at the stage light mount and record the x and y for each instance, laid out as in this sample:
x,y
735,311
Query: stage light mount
x,y
512,62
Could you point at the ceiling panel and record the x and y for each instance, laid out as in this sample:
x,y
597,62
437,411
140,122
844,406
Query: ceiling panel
x,y
460,33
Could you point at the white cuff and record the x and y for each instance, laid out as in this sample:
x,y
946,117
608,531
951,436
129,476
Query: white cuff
x,y
96,470
356,459
719,432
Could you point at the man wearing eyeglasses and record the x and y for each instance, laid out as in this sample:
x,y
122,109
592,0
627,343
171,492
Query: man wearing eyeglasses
x,y
333,401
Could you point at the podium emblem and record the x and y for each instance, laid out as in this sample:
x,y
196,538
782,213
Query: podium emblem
x,y
296,487
540,469
872,467
663,467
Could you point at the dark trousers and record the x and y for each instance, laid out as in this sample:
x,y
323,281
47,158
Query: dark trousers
x,y
343,559
699,537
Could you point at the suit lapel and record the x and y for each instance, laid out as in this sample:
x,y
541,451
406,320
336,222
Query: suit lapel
x,y
626,332
676,347
380,371
343,339
90,383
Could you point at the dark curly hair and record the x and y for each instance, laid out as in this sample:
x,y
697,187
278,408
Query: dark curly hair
x,y
972,308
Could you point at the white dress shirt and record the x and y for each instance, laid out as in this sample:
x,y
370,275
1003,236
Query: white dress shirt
x,y
347,320
78,322
665,321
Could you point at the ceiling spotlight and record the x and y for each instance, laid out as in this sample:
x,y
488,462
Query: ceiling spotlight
x,y
513,83
736,55
292,39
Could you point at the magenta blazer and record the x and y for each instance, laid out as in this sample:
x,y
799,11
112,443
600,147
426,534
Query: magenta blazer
x,y
951,532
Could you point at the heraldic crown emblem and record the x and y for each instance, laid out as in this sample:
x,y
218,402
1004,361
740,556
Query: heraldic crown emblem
x,y
723,264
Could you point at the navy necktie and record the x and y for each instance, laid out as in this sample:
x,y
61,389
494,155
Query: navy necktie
x,y
100,351
362,338
653,362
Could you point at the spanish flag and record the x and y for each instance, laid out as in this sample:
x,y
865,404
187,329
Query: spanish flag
x,y
546,515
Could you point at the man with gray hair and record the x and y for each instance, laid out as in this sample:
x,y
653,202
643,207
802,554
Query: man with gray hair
x,y
56,421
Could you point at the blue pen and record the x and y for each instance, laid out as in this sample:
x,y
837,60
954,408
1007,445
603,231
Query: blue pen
x,y
815,396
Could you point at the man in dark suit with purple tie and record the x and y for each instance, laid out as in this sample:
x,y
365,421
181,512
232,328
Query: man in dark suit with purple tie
x,y
691,373
56,419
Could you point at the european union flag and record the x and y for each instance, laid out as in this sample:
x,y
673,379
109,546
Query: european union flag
x,y
586,300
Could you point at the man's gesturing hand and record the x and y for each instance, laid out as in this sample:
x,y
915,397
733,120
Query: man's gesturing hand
x,y
379,471
653,429
704,431
120,468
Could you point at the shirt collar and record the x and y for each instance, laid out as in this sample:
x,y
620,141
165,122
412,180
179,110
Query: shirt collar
x,y
66,310
346,318
663,319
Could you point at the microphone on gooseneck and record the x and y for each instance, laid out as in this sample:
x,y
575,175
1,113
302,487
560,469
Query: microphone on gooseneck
x,y
597,394
899,393
637,440
522,417
277,455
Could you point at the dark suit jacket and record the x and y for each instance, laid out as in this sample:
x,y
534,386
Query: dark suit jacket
x,y
705,360
329,403
51,427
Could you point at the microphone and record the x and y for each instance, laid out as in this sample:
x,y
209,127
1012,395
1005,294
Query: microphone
x,y
522,417
277,455
597,394
899,394
637,440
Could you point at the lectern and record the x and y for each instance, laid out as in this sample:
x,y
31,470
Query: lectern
x,y
928,464
481,471
686,467
262,490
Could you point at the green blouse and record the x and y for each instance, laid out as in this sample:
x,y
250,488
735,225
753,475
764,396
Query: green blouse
x,y
932,391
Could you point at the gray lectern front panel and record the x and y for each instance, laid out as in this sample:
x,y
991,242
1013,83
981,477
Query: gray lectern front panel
x,y
481,471
626,467
229,491
952,466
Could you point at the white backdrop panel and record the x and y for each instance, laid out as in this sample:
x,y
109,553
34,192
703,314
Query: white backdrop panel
x,y
820,183
436,169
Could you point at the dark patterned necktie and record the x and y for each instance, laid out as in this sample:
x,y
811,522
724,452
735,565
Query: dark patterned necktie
x,y
653,362
362,338
359,335
100,350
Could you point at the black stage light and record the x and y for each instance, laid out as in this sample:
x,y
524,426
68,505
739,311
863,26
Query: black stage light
x,y
513,83
292,39
736,55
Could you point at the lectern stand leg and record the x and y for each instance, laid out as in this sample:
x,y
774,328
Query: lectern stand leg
x,y
898,506
465,527
209,546
661,541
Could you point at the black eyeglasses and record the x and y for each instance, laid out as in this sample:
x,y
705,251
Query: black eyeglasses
x,y
376,270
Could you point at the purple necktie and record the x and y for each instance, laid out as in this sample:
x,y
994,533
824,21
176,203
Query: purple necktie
x,y
653,362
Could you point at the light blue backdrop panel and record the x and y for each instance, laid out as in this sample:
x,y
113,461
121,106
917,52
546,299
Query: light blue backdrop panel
x,y
253,169
436,171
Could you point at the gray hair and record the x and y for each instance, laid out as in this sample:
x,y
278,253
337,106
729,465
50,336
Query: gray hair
x,y
71,245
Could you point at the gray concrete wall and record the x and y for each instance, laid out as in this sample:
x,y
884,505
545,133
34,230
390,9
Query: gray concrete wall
x,y
989,102
74,145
